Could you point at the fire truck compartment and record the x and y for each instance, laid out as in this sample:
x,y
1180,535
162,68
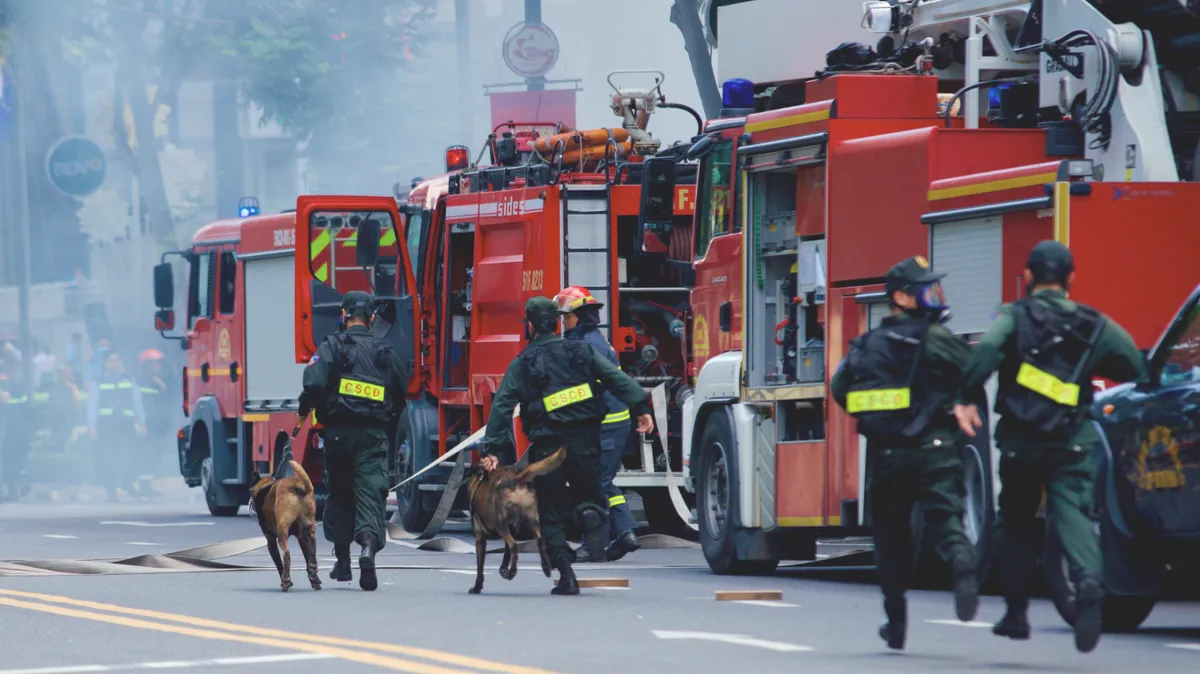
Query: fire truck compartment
x,y
272,375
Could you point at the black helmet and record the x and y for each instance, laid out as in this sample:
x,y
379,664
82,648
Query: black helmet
x,y
1050,262
358,301
541,313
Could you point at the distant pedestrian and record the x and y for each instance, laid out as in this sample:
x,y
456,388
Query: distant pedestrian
x,y
75,357
115,416
44,364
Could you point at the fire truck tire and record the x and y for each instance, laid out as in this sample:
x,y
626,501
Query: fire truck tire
x,y
412,444
717,500
210,486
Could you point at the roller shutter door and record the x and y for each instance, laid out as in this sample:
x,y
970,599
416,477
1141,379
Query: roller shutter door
x,y
969,253
875,313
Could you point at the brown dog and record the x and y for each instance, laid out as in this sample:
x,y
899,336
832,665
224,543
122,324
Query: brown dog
x,y
288,507
501,501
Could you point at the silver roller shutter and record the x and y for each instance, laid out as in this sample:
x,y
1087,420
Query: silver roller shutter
x,y
969,253
875,313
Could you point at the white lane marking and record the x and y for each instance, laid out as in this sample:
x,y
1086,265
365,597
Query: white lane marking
x,y
162,524
955,623
824,556
176,664
1185,647
465,572
769,604
738,639
62,536
138,543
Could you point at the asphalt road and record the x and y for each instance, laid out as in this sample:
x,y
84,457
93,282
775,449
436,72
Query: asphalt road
x,y
422,619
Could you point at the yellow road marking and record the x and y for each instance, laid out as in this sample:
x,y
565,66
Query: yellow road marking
x,y
293,643
290,636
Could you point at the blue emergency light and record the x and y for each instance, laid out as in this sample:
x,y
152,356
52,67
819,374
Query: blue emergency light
x,y
737,93
247,206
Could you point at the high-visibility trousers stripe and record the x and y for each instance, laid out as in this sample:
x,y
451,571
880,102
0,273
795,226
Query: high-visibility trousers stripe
x,y
614,501
616,417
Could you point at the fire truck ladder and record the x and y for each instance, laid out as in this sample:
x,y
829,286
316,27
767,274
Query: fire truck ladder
x,y
586,245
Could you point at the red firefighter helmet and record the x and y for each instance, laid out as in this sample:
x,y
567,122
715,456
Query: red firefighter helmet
x,y
573,298
150,354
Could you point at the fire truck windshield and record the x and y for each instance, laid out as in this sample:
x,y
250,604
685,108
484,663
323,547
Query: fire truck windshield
x,y
714,197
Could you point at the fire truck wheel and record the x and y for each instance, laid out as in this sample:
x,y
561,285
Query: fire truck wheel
x,y
414,517
717,500
209,484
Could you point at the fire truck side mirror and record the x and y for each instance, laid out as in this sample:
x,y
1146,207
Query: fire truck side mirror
x,y
367,250
164,286
164,320
658,204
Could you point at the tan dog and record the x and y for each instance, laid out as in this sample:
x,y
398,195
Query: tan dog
x,y
288,507
501,501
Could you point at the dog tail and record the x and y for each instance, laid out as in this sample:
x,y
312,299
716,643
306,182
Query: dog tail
x,y
303,476
546,465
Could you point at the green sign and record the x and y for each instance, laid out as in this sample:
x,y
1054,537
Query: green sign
x,y
76,166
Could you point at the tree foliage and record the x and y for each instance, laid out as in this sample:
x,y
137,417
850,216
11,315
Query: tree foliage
x,y
326,72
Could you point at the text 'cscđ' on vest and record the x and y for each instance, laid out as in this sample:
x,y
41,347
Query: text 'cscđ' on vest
x,y
560,387
888,389
360,363
1043,385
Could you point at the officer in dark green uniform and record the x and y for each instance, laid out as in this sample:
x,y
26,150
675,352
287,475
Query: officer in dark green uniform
x,y
357,385
1047,349
554,382
899,381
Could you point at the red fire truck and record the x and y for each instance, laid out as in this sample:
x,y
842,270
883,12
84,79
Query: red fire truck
x,y
811,190
242,379
557,207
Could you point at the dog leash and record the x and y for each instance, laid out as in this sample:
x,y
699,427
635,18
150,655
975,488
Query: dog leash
x,y
287,448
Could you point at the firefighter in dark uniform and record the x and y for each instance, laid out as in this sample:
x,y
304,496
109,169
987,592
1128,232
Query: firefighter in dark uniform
x,y
899,381
1047,348
581,318
357,385
18,414
158,419
115,415
555,383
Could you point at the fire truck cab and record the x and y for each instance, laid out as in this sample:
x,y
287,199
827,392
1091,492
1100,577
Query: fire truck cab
x,y
241,380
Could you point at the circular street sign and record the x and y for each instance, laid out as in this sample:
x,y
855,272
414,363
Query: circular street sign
x,y
530,49
76,166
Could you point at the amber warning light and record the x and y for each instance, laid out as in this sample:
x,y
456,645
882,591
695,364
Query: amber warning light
x,y
456,157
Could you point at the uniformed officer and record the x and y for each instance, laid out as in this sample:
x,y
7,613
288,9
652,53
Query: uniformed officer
x,y
357,384
115,415
158,417
1047,349
558,383
581,320
899,381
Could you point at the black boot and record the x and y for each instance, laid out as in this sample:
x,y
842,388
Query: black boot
x,y
1088,622
366,565
894,630
626,543
966,585
1015,623
594,534
566,578
341,568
